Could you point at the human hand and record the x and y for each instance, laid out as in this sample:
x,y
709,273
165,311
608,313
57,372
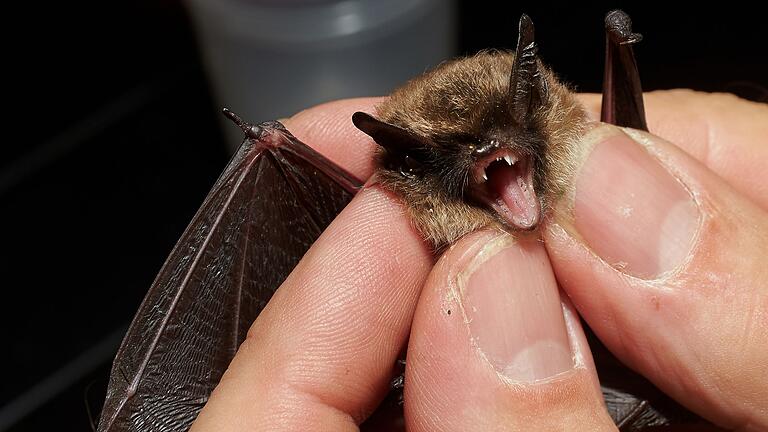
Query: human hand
x,y
321,355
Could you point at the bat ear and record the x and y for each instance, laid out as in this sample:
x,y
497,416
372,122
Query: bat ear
x,y
392,138
527,86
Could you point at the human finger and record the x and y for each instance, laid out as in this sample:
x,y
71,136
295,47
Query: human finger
x,y
666,262
493,347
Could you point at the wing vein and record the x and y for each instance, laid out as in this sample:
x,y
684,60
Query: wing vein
x,y
246,243
134,383
293,182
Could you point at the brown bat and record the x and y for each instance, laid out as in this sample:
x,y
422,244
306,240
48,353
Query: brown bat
x,y
484,140
490,139
487,140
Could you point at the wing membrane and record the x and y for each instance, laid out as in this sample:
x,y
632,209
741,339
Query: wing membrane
x,y
271,203
622,92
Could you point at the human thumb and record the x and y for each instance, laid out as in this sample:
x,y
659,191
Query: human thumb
x,y
494,346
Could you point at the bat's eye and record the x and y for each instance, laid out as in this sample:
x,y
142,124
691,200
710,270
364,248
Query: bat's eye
x,y
410,167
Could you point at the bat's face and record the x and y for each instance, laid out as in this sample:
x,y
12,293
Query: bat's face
x,y
492,165
456,148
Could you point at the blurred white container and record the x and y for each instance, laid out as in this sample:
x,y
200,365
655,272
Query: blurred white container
x,y
270,59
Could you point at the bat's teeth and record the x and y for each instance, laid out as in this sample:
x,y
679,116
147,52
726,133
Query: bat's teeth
x,y
508,158
485,176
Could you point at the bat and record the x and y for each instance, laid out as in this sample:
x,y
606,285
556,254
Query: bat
x,y
485,140
490,140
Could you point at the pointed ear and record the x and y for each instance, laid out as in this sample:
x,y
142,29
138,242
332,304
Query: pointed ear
x,y
393,138
527,86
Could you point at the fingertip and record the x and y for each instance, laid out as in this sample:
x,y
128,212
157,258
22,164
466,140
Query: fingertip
x,y
492,344
648,249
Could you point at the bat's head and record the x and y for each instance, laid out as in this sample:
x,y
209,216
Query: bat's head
x,y
478,141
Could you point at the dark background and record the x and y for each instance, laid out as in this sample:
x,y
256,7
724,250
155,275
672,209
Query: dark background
x,y
113,140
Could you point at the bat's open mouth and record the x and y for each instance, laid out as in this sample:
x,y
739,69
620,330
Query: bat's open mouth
x,y
503,181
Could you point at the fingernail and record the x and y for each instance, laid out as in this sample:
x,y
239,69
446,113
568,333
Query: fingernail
x,y
629,209
513,310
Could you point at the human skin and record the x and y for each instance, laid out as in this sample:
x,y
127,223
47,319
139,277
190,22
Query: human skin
x,y
661,248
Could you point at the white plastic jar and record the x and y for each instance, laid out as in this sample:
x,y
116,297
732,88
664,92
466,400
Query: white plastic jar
x,y
269,59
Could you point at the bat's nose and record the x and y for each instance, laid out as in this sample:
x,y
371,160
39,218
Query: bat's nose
x,y
485,148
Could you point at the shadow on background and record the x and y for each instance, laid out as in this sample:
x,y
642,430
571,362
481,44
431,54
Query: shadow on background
x,y
114,141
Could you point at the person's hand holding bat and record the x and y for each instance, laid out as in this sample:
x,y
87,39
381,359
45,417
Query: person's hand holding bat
x,y
661,249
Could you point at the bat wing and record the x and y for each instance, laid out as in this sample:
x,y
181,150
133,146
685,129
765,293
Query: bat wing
x,y
622,92
266,209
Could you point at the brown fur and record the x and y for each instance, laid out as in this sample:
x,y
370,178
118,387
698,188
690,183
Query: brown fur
x,y
456,105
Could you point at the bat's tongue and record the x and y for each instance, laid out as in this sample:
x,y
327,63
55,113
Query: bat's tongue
x,y
516,198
